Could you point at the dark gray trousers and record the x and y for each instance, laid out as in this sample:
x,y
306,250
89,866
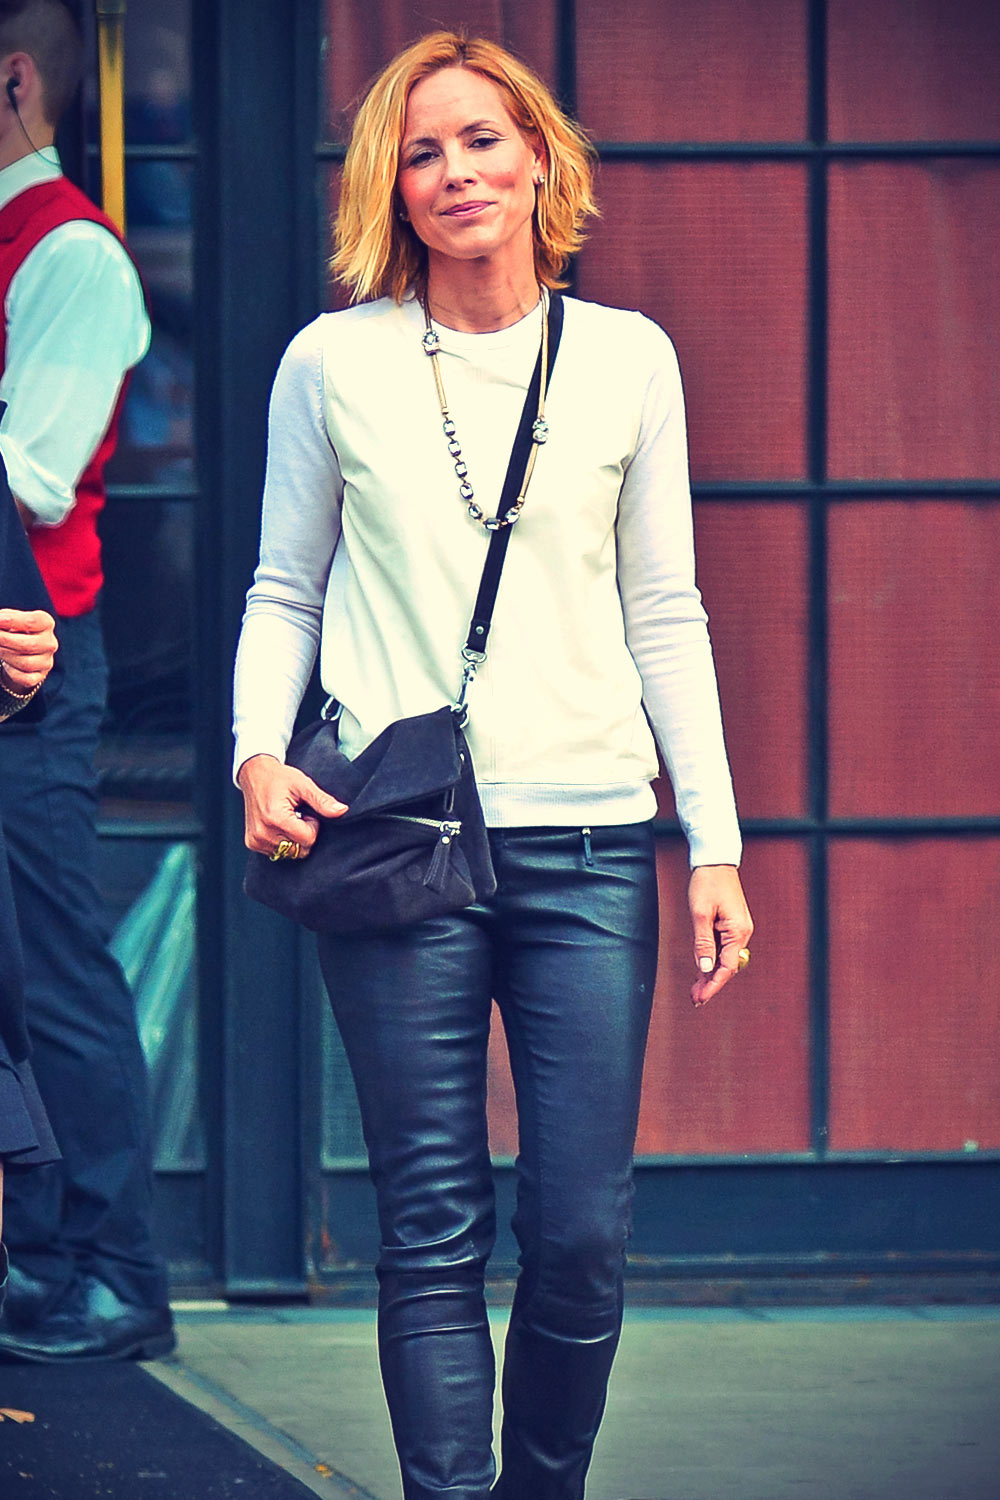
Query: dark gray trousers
x,y
90,1213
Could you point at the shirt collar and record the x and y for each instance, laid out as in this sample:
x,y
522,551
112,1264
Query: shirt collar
x,y
29,171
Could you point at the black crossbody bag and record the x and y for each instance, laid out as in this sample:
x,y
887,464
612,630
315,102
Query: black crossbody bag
x,y
413,843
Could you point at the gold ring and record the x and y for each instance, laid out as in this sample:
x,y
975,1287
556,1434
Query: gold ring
x,y
743,960
286,850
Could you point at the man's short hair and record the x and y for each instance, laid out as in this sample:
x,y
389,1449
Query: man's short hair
x,y
48,31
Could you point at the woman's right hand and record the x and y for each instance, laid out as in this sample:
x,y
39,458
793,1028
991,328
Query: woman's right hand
x,y
275,797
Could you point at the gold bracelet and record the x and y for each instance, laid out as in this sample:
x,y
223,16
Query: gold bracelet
x,y
10,692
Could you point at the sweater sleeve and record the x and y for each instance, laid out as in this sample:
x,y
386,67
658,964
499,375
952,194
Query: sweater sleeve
x,y
665,623
299,531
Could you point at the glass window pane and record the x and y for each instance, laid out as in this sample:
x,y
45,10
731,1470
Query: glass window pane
x,y
914,676
360,36
667,70
156,437
732,1076
331,294
753,569
729,1078
146,754
716,253
914,1003
343,1143
149,889
914,320
157,73
914,70
158,76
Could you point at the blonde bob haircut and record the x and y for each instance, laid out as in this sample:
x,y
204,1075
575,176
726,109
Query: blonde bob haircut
x,y
376,253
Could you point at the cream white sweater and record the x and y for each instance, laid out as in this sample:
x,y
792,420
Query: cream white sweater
x,y
368,556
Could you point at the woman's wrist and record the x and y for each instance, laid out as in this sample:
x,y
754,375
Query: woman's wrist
x,y
249,763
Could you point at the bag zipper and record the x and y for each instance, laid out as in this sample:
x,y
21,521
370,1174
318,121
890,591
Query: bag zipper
x,y
446,828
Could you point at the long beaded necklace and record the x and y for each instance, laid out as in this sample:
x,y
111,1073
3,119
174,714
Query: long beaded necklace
x,y
539,428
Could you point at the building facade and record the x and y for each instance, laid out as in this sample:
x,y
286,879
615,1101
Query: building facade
x,y
805,194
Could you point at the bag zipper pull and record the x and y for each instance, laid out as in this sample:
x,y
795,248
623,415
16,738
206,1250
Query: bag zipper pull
x,y
437,870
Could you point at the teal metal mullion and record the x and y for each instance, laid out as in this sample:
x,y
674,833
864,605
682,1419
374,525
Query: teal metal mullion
x,y
847,489
150,830
818,684
790,150
870,827
566,64
566,55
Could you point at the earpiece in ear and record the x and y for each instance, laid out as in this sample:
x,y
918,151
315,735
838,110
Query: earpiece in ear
x,y
12,92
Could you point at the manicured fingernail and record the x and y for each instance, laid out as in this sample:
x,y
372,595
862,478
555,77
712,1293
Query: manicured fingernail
x,y
705,964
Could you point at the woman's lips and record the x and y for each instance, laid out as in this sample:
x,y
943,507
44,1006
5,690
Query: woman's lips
x,y
465,210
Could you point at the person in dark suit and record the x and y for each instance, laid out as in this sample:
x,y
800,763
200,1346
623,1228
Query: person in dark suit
x,y
86,1281
27,652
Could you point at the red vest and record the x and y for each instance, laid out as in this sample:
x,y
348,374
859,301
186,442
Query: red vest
x,y
68,555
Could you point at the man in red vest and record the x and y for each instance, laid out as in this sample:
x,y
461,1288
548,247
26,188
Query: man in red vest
x,y
85,1282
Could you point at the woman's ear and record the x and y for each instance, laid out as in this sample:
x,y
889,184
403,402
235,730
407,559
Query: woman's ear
x,y
541,166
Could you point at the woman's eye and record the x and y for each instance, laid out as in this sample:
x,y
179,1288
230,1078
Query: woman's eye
x,y
420,158
485,140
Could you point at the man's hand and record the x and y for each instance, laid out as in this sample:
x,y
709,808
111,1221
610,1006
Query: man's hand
x,y
28,647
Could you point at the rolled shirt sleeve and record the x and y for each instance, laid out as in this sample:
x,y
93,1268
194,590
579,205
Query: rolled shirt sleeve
x,y
76,324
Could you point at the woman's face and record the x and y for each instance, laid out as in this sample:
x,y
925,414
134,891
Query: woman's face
x,y
466,173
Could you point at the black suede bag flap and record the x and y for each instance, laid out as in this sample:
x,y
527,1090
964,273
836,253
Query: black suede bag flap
x,y
411,759
412,844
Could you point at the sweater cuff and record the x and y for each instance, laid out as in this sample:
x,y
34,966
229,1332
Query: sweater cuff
x,y
246,750
715,849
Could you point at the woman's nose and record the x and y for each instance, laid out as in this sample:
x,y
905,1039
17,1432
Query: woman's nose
x,y
457,167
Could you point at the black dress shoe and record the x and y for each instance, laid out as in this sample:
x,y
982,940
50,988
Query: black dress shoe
x,y
93,1325
28,1300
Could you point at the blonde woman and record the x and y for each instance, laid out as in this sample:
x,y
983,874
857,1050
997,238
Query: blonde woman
x,y
465,190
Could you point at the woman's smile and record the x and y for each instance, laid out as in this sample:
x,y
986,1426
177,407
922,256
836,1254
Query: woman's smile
x,y
466,210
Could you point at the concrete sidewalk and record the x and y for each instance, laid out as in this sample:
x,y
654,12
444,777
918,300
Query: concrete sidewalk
x,y
866,1403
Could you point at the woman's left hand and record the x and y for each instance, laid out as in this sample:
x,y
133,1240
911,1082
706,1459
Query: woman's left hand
x,y
722,926
28,647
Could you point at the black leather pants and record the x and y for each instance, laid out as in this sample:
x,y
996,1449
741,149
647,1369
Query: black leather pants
x,y
568,949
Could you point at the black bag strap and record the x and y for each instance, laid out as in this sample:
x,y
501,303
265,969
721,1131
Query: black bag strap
x,y
474,652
